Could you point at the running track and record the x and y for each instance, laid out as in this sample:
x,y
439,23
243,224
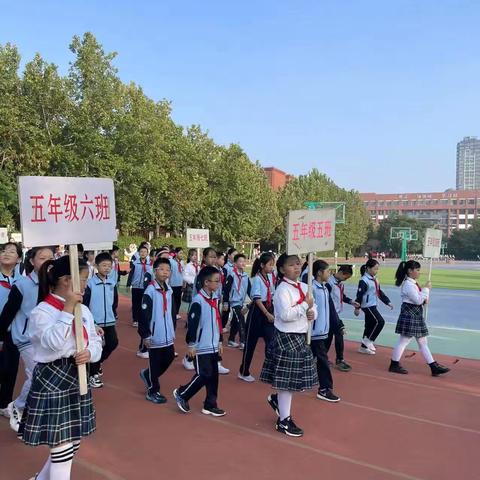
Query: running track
x,y
386,427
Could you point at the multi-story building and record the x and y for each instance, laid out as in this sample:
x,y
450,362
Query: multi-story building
x,y
449,210
277,178
468,164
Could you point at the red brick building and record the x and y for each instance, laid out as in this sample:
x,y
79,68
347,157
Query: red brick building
x,y
449,210
277,178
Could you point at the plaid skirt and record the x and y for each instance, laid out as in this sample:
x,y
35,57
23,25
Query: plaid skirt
x,y
289,364
411,323
187,294
55,413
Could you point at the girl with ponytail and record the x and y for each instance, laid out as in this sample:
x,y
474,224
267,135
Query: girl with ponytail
x,y
411,322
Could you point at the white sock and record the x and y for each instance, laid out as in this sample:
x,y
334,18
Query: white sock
x,y
284,404
400,347
45,472
423,346
61,462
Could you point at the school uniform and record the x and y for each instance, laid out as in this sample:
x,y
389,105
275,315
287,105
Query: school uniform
x,y
55,413
258,325
204,328
138,278
237,287
10,355
101,297
289,364
176,282
411,322
157,325
117,272
368,294
226,270
189,273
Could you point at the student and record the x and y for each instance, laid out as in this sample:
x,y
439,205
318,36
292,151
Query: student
x,y
289,366
411,322
326,319
203,338
189,273
10,255
89,257
116,270
136,255
339,299
138,279
368,293
260,317
101,297
237,287
157,329
227,269
176,281
15,318
55,414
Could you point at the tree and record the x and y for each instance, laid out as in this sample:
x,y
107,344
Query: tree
x,y
465,244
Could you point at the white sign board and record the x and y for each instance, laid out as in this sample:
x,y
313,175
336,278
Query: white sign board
x,y
3,235
66,210
95,247
16,237
310,231
433,243
198,238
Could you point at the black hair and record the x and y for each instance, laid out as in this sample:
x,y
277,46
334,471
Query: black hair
x,y
80,248
347,269
161,261
237,256
304,266
103,257
282,259
221,254
207,250
51,271
18,248
319,266
31,254
206,273
370,264
231,250
178,250
402,270
115,248
143,246
190,253
86,253
263,259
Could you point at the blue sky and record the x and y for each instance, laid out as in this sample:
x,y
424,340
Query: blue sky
x,y
375,94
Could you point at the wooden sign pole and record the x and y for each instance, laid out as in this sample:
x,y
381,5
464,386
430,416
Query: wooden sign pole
x,y
429,279
310,293
78,322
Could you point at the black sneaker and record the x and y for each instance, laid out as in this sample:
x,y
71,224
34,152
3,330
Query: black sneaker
x,y
216,412
181,403
395,367
272,400
288,427
328,396
156,397
342,365
438,369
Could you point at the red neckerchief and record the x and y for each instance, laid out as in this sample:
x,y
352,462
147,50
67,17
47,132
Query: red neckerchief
x,y
239,277
341,287
196,267
266,282
222,276
5,284
274,278
164,295
144,266
298,286
214,304
377,285
179,263
59,305
116,265
418,286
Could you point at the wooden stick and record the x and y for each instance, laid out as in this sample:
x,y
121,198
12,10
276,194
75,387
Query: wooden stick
x,y
429,279
310,293
78,322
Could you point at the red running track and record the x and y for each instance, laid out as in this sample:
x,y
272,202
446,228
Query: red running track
x,y
386,426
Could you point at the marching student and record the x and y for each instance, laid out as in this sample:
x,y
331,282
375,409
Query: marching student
x,y
289,366
368,294
10,255
15,318
89,257
204,344
339,299
176,281
138,279
260,317
116,270
237,287
227,269
157,329
55,414
189,273
411,322
325,321
101,297
136,255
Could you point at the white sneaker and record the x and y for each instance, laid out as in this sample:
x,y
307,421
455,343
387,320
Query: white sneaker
x,y
241,346
232,344
247,378
143,354
95,382
372,347
15,416
189,365
134,324
369,344
4,412
222,370
366,351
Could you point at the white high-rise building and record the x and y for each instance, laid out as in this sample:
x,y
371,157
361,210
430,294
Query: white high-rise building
x,y
468,164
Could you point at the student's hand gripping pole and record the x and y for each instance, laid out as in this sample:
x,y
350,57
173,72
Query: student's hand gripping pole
x,y
429,279
79,341
310,293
